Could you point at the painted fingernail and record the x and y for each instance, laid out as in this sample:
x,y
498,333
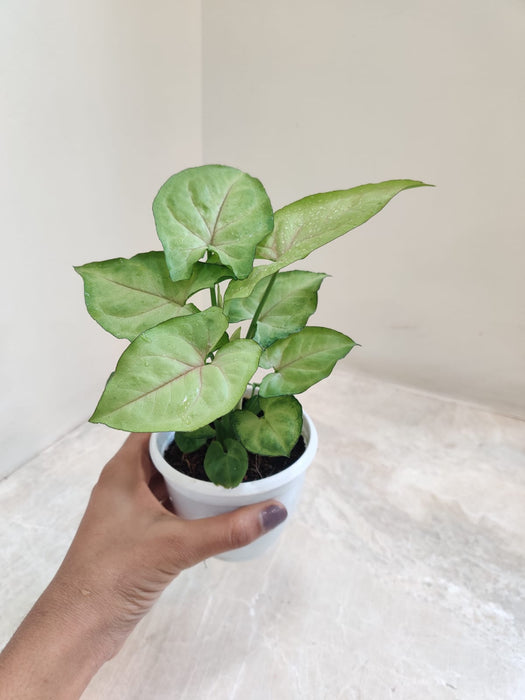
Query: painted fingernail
x,y
272,516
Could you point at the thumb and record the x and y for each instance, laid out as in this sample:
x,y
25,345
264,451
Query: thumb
x,y
208,537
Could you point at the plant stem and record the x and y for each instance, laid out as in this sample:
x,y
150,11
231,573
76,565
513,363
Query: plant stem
x,y
213,294
253,324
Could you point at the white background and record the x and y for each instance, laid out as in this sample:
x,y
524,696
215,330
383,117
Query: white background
x,y
102,101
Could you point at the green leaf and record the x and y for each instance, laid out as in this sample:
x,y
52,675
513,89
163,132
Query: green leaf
x,y
204,275
290,303
215,209
163,381
190,441
302,359
224,428
223,340
236,334
252,404
128,296
313,221
276,432
226,465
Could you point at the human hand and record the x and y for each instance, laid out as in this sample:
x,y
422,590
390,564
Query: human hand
x,y
127,549
129,546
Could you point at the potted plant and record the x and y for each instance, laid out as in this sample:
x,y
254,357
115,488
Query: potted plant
x,y
217,385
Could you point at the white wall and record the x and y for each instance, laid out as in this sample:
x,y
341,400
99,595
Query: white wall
x,y
100,103
320,95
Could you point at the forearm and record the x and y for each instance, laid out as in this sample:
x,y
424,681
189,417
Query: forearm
x,y
127,549
58,648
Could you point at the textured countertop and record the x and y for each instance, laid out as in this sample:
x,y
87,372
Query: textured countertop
x,y
401,576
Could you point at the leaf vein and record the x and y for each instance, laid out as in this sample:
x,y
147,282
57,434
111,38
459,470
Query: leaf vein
x,y
193,233
215,228
199,213
155,388
136,289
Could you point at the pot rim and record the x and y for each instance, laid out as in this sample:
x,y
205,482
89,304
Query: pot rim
x,y
188,484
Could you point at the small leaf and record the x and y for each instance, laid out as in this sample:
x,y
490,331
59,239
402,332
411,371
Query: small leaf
x,y
226,466
127,297
204,275
252,404
276,432
223,340
302,359
215,209
164,382
236,334
289,305
224,428
311,222
190,441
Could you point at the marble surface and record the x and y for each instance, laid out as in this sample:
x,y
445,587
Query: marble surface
x,y
401,576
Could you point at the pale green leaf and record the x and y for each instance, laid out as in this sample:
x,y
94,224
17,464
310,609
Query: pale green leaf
x,y
302,359
215,209
164,382
311,222
128,296
290,303
226,465
276,431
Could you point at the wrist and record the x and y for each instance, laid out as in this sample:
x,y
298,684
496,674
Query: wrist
x,y
84,617
58,648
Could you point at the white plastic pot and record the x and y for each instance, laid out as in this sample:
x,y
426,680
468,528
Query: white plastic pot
x,y
193,498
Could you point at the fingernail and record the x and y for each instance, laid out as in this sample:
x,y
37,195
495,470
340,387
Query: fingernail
x,y
272,516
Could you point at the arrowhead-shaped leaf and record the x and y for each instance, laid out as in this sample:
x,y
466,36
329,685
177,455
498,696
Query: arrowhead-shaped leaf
x,y
215,209
276,431
127,297
226,466
302,359
164,382
289,305
313,221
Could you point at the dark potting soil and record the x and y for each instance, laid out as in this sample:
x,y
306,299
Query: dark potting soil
x,y
259,466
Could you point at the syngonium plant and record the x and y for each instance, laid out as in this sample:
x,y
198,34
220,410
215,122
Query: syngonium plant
x,y
186,369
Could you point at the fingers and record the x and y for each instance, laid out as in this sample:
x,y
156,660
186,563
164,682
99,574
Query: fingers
x,y
211,536
158,488
136,449
131,466
190,541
